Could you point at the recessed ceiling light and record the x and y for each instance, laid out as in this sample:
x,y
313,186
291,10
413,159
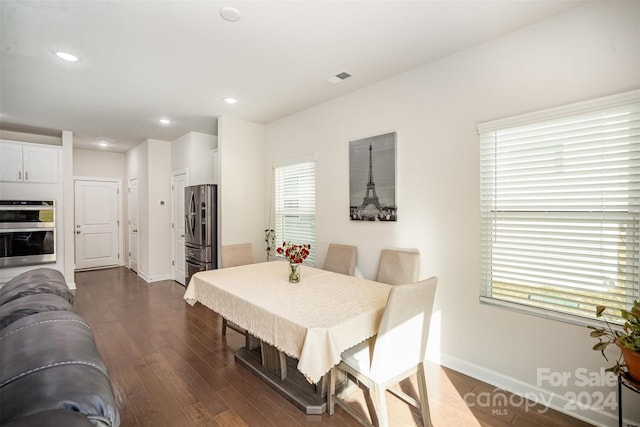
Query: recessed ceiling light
x,y
230,14
67,56
230,100
165,121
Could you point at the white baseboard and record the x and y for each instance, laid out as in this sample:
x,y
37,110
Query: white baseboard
x,y
149,279
160,278
552,400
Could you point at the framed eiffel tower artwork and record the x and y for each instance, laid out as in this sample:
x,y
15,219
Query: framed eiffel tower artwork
x,y
372,178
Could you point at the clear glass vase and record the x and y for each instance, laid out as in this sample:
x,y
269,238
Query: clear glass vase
x,y
294,272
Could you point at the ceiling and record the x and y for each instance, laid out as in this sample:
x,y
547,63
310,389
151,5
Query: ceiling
x,y
143,60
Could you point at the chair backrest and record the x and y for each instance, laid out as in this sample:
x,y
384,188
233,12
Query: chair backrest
x,y
402,337
341,259
398,267
239,254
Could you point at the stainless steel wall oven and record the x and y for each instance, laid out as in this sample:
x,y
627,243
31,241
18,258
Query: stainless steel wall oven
x,y
27,232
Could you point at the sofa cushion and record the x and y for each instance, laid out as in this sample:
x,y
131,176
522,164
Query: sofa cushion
x,y
43,317
78,388
28,305
53,418
50,362
25,351
36,281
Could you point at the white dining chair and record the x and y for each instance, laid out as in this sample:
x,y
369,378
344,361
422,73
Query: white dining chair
x,y
234,256
398,266
238,254
397,352
341,259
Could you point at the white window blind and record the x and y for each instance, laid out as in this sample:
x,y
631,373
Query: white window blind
x,y
295,206
560,203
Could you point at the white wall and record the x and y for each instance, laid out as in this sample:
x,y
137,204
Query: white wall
x,y
99,164
150,163
159,210
68,207
137,167
242,183
194,153
586,53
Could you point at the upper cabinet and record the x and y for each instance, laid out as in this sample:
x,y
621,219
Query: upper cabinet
x,y
23,162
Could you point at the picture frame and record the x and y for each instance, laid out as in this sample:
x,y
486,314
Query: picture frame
x,y
372,178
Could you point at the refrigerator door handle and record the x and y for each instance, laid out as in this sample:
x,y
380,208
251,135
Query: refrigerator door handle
x,y
191,218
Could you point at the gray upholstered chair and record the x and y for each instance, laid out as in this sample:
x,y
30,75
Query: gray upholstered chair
x,y
234,256
341,259
397,352
398,266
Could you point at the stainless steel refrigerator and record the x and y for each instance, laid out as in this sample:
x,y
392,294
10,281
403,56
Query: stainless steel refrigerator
x,y
201,238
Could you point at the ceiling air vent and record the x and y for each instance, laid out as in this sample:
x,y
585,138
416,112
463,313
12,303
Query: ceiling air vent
x,y
338,78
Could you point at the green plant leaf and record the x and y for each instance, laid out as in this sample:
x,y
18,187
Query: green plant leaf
x,y
597,333
600,346
599,310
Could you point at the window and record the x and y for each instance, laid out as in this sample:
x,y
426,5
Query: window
x,y
295,207
560,209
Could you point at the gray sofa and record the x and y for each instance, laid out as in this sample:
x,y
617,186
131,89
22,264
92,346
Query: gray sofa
x,y
51,372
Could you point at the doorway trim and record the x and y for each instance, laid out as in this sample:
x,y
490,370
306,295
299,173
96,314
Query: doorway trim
x,y
174,174
118,182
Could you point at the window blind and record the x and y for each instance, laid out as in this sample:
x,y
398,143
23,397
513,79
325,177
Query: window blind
x,y
295,204
560,209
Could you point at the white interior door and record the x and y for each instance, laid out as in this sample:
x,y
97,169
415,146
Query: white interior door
x,y
96,224
133,224
177,225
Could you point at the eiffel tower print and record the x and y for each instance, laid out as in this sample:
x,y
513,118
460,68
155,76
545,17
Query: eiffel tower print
x,y
370,197
378,203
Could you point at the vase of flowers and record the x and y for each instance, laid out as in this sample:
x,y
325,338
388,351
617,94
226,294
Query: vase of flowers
x,y
294,272
295,254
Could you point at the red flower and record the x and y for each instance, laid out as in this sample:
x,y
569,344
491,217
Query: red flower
x,y
293,252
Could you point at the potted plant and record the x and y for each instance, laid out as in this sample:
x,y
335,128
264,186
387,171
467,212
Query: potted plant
x,y
270,239
627,339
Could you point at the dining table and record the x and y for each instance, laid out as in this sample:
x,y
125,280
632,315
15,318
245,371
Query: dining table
x,y
307,325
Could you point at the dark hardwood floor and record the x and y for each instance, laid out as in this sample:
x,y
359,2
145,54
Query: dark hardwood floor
x,y
170,366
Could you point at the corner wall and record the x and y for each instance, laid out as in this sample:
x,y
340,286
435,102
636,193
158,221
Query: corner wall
x,y
586,53
241,183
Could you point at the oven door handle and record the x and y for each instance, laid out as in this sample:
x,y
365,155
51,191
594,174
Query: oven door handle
x,y
25,230
16,226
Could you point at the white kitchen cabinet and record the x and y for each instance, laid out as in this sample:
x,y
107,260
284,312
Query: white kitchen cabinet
x,y
33,163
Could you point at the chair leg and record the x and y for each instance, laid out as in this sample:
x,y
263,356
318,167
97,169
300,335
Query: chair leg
x,y
422,393
380,403
331,391
224,326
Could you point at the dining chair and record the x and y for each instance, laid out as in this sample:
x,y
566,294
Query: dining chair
x,y
398,266
234,256
341,259
238,254
397,352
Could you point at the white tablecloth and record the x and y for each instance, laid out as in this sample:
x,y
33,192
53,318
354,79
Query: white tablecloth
x,y
313,321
